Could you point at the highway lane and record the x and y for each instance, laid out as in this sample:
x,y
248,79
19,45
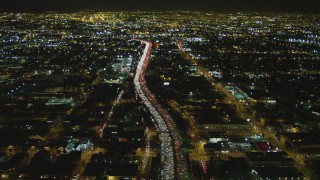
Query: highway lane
x,y
173,163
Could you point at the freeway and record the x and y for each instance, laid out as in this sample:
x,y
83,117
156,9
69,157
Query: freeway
x,y
174,165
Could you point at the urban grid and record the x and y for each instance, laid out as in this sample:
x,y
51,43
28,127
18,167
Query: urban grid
x,y
159,95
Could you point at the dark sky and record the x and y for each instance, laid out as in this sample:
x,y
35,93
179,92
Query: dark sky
x,y
219,5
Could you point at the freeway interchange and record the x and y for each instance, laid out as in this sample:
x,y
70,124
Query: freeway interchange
x,y
173,163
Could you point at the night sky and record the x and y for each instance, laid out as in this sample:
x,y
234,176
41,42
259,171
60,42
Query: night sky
x,y
219,5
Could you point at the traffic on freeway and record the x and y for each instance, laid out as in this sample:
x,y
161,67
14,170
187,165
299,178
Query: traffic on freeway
x,y
173,163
